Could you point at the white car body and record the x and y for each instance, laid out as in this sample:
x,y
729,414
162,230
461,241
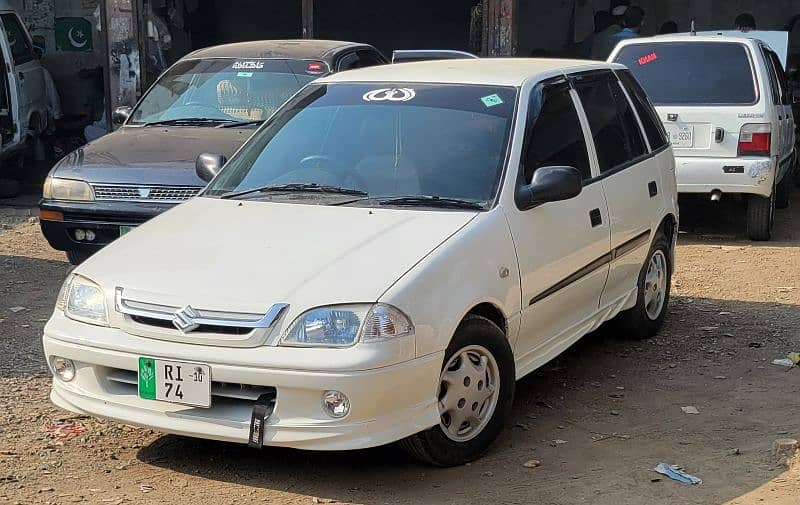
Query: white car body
x,y
712,162
28,107
545,276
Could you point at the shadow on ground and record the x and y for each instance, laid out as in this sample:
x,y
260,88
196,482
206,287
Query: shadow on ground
x,y
617,404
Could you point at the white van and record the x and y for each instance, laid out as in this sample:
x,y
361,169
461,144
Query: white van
x,y
726,105
24,102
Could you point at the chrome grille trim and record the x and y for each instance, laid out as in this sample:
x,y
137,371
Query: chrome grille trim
x,y
131,193
184,319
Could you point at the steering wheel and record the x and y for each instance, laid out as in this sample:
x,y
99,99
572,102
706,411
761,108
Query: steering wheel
x,y
323,170
203,106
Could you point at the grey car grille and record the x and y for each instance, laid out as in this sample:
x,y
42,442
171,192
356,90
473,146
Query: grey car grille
x,y
144,193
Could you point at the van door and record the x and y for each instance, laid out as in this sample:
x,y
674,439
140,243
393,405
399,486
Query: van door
x,y
704,91
562,247
784,108
27,71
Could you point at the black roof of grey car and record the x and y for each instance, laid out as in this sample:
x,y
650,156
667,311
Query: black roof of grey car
x,y
312,49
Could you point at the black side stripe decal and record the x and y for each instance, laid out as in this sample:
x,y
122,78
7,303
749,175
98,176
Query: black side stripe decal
x,y
600,262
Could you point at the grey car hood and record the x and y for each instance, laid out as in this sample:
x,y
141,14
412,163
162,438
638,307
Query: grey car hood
x,y
149,155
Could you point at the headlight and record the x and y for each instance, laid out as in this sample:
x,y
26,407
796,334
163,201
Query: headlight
x,y
344,325
56,188
83,300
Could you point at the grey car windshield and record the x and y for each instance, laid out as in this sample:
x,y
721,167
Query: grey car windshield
x,y
224,89
383,140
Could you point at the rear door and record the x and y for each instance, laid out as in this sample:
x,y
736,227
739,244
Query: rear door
x,y
783,104
704,92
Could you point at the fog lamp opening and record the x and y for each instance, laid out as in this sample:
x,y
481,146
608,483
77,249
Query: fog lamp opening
x,y
336,404
63,368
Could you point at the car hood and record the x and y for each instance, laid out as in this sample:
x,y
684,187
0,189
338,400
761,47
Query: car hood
x,y
149,155
244,256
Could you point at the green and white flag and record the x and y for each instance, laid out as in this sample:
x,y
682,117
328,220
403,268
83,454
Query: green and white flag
x,y
73,34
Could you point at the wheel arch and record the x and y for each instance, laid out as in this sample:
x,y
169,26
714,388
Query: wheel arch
x,y
669,227
491,312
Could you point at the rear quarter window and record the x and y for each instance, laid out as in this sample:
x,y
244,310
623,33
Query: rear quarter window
x,y
692,73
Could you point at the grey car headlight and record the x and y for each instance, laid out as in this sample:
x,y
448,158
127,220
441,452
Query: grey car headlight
x,y
56,188
83,300
344,325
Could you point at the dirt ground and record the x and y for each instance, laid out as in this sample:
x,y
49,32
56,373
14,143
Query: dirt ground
x,y
598,419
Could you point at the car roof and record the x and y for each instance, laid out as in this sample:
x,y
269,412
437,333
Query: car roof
x,y
301,49
687,37
492,71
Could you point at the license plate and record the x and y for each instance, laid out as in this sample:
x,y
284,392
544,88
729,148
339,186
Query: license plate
x,y
124,229
176,382
681,136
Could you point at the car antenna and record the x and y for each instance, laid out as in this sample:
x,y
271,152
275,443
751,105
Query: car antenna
x,y
692,29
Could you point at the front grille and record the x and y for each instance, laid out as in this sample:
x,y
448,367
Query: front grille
x,y
144,193
203,328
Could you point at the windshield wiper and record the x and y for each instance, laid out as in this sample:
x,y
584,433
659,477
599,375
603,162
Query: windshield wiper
x,y
299,187
188,120
237,124
432,201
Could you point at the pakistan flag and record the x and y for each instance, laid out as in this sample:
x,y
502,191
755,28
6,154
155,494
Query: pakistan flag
x,y
73,34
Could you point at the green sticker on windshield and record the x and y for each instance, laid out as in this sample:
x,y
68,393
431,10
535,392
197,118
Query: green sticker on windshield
x,y
244,74
492,100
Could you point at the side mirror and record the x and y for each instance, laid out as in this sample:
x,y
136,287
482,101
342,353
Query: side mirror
x,y
120,115
550,184
207,165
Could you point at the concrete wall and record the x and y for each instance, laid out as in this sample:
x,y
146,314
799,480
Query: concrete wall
x,y
77,89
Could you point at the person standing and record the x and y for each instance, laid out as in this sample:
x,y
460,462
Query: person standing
x,y
633,20
745,22
606,26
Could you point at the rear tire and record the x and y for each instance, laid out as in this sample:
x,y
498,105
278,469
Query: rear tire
x,y
760,212
647,316
478,352
77,257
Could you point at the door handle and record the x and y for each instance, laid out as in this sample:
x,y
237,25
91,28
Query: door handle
x,y
595,218
719,135
652,188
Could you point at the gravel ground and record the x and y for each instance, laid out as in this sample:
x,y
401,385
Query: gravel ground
x,y
598,419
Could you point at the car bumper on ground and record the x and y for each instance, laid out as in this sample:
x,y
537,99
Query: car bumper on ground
x,y
105,219
388,403
726,175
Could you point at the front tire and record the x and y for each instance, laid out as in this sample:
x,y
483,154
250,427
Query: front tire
x,y
475,393
655,279
760,212
77,257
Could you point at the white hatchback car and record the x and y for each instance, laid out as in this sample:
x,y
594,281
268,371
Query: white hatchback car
x,y
381,261
726,104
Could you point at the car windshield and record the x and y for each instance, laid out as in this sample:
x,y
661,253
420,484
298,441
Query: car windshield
x,y
692,73
442,142
224,89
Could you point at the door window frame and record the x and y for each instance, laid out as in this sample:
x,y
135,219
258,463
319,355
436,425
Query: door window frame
x,y
29,56
599,74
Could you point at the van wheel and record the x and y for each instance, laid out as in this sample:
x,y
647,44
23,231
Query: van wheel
x,y
655,279
475,393
784,191
760,212
76,257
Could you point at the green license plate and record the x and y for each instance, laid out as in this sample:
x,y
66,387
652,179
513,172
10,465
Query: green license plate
x,y
175,382
124,229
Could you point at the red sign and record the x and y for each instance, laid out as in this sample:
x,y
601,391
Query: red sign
x,y
644,60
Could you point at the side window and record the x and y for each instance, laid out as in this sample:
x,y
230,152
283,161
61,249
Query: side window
x,y
21,50
349,62
773,77
783,82
647,113
369,59
554,135
616,133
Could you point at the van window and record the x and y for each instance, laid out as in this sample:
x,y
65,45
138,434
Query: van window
x,y
617,136
692,73
21,49
648,116
554,136
782,82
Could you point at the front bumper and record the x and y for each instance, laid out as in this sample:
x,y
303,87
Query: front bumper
x,y
754,176
103,217
388,403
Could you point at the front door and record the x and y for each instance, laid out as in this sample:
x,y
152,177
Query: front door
x,y
26,71
562,247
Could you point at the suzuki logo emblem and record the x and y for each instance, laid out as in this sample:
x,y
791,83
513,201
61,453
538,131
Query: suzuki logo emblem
x,y
672,117
184,319
143,192
390,95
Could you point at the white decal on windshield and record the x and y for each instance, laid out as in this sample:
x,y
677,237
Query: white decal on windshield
x,y
248,65
389,95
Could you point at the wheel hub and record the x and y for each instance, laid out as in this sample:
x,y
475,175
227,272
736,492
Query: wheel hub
x,y
655,285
